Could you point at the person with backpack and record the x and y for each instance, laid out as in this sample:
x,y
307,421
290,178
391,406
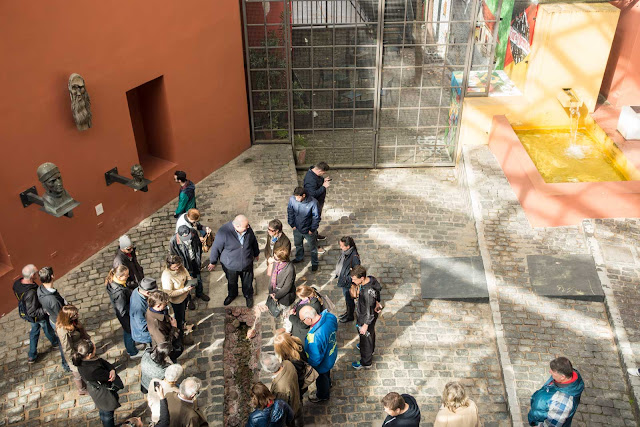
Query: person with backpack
x,y
29,308
187,195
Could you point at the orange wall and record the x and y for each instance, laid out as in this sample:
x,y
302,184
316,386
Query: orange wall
x,y
115,46
621,83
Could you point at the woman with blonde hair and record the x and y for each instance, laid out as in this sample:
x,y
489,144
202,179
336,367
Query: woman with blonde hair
x,y
288,347
457,409
70,332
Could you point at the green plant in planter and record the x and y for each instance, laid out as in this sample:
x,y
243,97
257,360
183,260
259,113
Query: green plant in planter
x,y
282,134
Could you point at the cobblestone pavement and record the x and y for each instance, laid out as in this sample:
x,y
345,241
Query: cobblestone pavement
x,y
536,329
397,217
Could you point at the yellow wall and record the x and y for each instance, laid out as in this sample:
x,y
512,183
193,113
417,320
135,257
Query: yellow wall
x,y
570,48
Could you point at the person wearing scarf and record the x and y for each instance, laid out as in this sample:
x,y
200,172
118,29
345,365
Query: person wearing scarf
x,y
282,289
174,280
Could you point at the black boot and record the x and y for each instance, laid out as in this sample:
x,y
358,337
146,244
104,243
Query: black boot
x,y
347,317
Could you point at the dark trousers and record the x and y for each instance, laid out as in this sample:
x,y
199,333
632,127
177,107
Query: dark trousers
x,y
323,385
232,281
368,345
350,303
199,288
180,311
107,418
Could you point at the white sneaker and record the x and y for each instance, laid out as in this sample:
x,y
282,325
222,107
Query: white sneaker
x,y
634,372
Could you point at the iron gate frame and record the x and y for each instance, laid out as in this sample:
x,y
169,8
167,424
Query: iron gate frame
x,y
379,67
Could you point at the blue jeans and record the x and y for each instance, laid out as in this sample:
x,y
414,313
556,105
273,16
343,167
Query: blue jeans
x,y
34,336
129,343
323,385
107,418
312,240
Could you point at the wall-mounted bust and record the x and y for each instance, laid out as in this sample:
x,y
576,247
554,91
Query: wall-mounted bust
x,y
137,173
55,196
80,102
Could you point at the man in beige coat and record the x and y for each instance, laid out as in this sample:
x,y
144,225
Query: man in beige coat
x,y
284,384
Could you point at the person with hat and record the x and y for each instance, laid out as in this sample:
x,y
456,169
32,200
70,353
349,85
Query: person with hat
x,y
55,196
126,255
187,245
138,306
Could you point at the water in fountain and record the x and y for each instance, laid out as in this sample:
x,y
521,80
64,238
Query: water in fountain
x,y
577,151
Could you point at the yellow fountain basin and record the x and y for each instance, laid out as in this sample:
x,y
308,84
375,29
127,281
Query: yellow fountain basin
x,y
558,158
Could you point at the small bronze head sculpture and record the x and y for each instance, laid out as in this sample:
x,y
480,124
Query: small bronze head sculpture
x,y
137,173
80,102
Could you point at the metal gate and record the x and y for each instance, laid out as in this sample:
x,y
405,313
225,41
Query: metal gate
x,y
365,83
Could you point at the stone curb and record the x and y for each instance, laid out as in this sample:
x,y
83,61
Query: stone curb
x,y
508,375
625,353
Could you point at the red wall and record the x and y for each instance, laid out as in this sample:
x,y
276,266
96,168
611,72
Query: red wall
x,y
621,82
116,46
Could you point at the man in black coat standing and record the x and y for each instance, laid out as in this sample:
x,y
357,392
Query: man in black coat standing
x,y
316,184
236,248
126,255
187,245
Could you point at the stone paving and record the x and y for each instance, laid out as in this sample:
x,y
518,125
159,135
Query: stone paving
x,y
397,217
536,329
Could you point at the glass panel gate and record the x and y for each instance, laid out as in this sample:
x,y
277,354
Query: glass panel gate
x,y
362,83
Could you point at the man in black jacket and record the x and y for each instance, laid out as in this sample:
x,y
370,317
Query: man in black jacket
x,y
316,184
368,299
236,248
187,245
126,255
25,290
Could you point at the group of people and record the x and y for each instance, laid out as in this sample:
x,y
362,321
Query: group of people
x,y
305,348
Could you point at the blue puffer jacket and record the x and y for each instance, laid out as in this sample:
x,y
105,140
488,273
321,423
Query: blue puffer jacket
x,y
279,414
303,215
137,309
556,402
320,344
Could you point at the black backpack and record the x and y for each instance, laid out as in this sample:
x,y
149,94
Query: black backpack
x,y
22,309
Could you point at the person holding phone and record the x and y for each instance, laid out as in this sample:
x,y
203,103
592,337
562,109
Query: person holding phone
x,y
177,283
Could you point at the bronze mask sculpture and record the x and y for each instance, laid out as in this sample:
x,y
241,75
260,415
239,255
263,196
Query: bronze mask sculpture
x,y
80,102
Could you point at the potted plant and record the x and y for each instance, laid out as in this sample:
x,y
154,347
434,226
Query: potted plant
x,y
300,143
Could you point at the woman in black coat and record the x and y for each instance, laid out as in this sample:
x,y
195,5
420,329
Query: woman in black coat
x,y
120,295
349,258
102,381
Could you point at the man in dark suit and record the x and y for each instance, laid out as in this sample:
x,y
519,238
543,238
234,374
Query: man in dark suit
x,y
236,248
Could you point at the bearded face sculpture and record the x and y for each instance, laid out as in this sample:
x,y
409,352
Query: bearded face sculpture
x,y
80,102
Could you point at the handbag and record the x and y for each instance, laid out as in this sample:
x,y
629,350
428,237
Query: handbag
x,y
354,291
274,307
310,375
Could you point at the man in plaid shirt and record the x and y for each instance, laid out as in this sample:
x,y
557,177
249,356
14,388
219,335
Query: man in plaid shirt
x,y
556,402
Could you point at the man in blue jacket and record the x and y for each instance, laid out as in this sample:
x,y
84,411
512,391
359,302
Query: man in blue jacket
x,y
304,217
236,247
138,309
321,347
556,402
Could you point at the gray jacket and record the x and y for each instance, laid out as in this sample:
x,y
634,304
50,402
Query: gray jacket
x,y
150,369
51,302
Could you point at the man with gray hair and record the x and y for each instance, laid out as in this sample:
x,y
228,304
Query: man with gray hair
x,y
182,405
321,347
29,308
236,248
169,384
284,384
126,255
